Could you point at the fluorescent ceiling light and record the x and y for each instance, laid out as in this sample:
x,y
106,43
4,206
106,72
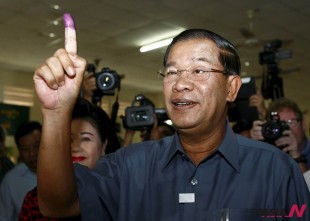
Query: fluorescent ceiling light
x,y
156,45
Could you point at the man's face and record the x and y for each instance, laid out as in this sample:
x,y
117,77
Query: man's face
x,y
296,126
197,105
28,149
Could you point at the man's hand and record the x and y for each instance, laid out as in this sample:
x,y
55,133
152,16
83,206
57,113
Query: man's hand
x,y
57,84
89,85
256,130
257,100
58,80
288,143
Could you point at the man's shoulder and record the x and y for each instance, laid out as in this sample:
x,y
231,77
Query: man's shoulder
x,y
151,144
262,149
7,161
152,149
257,145
16,173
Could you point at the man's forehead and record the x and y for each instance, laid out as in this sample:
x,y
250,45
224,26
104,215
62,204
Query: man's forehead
x,y
188,51
199,45
286,112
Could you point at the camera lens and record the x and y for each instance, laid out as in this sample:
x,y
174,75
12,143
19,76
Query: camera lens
x,y
140,116
271,131
106,81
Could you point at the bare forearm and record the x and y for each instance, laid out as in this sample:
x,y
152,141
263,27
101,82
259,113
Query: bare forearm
x,y
57,189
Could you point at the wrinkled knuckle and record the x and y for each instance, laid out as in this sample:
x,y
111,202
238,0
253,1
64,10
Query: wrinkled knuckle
x,y
59,51
51,60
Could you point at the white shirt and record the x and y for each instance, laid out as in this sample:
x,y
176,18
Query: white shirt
x,y
307,178
13,188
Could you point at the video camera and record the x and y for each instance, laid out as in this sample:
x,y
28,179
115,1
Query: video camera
x,y
272,84
271,54
142,116
274,128
107,81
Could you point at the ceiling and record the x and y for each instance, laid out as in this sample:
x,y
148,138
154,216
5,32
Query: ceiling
x,y
111,32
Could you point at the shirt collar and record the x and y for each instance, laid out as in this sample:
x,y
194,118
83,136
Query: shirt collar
x,y
24,169
229,149
174,148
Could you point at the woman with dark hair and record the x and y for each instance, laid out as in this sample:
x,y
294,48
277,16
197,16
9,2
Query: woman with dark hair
x,y
92,136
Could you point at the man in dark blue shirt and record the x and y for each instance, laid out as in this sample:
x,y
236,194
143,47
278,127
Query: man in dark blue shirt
x,y
203,172
156,180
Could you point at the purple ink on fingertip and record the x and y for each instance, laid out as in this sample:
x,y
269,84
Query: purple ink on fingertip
x,y
68,20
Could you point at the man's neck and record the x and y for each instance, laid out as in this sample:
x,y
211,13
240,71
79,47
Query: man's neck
x,y
198,147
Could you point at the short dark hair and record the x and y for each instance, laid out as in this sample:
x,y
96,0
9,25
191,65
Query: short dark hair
x,y
95,115
282,103
2,133
228,55
25,129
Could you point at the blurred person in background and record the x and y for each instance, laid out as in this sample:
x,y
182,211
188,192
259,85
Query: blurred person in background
x,y
92,136
22,178
157,131
88,86
293,139
5,163
243,127
257,100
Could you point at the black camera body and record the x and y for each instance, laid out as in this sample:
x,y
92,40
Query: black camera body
x,y
272,84
142,116
271,54
274,128
138,118
107,81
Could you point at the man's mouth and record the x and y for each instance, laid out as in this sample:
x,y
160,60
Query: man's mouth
x,y
179,104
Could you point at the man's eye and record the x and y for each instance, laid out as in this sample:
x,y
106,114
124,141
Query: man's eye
x,y
171,73
199,71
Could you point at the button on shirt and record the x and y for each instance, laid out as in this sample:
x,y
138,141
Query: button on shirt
x,y
243,179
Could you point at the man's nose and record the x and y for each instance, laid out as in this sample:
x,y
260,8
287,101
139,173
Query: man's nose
x,y
183,82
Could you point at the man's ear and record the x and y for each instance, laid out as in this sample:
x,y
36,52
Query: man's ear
x,y
233,84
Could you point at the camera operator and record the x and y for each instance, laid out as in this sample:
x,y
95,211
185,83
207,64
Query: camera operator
x,y
89,85
257,100
157,131
147,119
293,139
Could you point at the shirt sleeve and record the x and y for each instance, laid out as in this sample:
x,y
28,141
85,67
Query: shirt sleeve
x,y
7,211
98,190
294,192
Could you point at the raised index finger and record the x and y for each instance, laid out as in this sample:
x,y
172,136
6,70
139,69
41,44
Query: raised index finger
x,y
70,34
